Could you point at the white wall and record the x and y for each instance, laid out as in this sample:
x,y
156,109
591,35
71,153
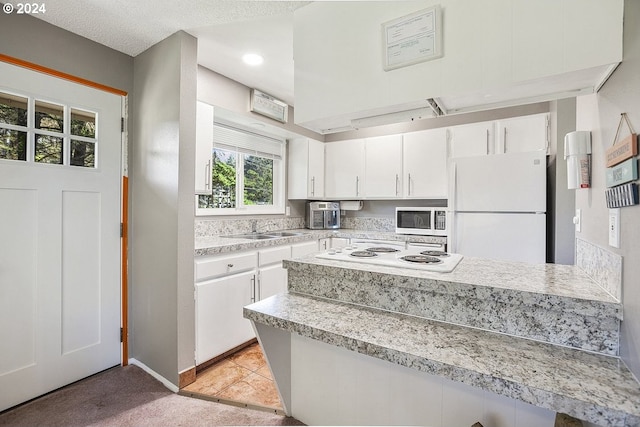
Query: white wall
x,y
600,114
161,230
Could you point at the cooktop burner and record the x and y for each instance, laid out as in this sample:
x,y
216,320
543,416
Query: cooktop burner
x,y
422,259
438,254
383,249
363,254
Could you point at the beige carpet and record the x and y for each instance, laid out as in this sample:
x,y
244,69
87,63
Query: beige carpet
x,y
128,396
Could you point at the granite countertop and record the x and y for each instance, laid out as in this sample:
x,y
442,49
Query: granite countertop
x,y
213,245
589,386
544,285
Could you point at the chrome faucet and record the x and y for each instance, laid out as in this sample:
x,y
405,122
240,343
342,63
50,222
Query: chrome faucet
x,y
254,225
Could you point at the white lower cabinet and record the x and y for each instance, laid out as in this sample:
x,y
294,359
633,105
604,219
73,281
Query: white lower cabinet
x,y
272,280
220,324
332,242
226,283
272,277
299,250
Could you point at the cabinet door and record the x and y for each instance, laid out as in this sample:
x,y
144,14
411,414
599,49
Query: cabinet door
x,y
520,134
220,325
425,164
305,169
299,250
297,168
315,162
324,244
344,169
383,167
204,148
475,139
272,280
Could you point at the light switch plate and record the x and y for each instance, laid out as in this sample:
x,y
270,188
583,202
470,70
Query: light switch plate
x,y
614,227
577,220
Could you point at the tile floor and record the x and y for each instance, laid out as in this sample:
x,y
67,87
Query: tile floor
x,y
242,377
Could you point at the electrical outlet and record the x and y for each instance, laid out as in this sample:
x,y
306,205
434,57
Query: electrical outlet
x,y
577,220
614,227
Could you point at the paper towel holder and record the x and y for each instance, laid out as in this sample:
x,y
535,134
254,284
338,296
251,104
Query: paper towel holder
x,y
577,153
351,205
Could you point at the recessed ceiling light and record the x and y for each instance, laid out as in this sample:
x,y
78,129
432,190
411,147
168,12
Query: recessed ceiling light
x,y
252,59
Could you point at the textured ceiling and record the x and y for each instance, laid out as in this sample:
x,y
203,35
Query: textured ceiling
x,y
225,30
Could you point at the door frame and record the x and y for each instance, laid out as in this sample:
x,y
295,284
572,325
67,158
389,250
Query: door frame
x,y
124,203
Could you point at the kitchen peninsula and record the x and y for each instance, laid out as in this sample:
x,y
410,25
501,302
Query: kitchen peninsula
x,y
545,335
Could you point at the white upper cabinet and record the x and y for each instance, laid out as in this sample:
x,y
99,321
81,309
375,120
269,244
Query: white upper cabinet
x,y
520,134
344,169
383,167
425,164
306,169
204,148
475,139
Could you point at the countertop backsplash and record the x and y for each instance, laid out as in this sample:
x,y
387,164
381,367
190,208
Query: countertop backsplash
x,y
604,266
368,223
221,227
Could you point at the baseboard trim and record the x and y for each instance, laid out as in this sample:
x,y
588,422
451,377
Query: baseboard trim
x,y
186,377
168,384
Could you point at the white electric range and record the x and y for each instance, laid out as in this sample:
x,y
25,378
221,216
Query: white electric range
x,y
390,255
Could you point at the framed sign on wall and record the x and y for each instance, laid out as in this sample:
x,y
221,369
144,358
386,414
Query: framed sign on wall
x,y
412,38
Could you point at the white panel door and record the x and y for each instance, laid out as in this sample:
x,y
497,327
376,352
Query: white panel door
x,y
60,226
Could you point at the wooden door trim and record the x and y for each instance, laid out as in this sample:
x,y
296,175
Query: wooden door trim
x,y
55,73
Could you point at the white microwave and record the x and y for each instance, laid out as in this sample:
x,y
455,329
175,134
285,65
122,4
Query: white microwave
x,y
426,221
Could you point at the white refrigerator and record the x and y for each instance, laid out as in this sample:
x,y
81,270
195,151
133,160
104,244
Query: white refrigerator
x,y
498,205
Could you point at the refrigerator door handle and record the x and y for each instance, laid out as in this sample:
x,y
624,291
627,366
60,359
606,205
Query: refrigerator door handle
x,y
451,226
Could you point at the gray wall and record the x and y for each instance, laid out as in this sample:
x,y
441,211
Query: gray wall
x,y
33,40
600,114
161,231
560,200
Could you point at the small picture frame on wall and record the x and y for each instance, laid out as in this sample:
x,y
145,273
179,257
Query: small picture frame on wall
x,y
269,106
412,39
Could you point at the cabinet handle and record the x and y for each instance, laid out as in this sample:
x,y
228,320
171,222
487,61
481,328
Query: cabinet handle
x,y
313,186
357,185
487,142
207,175
409,185
396,184
505,140
253,288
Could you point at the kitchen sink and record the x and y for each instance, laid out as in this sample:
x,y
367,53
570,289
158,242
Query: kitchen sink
x,y
285,234
252,236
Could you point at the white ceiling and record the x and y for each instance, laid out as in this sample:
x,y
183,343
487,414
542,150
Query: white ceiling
x,y
225,29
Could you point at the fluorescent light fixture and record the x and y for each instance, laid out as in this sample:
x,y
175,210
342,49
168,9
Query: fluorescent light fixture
x,y
252,59
391,118
336,129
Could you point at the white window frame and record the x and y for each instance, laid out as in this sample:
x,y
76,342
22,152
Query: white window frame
x,y
251,147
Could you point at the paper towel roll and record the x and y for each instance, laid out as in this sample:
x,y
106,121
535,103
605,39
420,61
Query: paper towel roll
x,y
351,205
